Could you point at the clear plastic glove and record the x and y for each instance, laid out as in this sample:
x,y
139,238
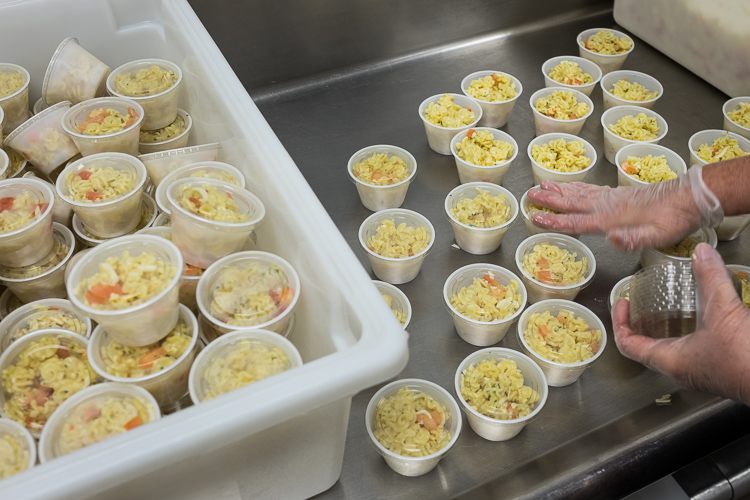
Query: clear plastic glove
x,y
632,217
716,357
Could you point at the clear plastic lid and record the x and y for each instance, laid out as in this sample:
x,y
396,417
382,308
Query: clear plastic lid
x,y
62,249
42,315
17,448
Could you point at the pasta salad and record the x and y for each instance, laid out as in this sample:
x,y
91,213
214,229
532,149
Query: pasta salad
x,y
492,88
741,115
99,184
560,155
398,242
496,389
446,113
106,121
624,89
483,211
400,316
486,299
13,457
174,129
723,148
204,200
381,170
561,105
682,249
648,168
554,266
145,82
19,211
569,73
607,43
562,338
479,147
10,83
50,317
636,128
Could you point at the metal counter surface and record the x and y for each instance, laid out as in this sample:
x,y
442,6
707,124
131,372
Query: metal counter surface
x,y
601,437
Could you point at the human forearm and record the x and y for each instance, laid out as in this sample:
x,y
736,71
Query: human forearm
x,y
730,182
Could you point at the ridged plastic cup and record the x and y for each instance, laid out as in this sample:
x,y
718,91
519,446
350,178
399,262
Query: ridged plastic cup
x,y
180,141
61,213
619,291
731,227
2,122
538,291
439,138
495,114
4,162
475,332
546,125
493,429
160,109
531,228
652,256
144,323
561,374
614,143
381,197
415,466
468,172
730,125
586,65
393,270
23,436
541,173
114,217
608,82
185,171
607,63
399,300
15,105
708,137
124,141
479,240
74,75
148,205
21,317
674,161
160,164
32,242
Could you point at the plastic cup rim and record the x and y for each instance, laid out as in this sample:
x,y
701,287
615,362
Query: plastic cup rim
x,y
34,121
541,139
537,95
733,100
401,150
658,147
53,61
157,62
584,249
477,74
728,133
488,185
614,32
40,184
93,102
625,102
25,86
388,211
259,210
161,192
710,238
636,110
502,136
146,200
188,126
577,60
394,289
27,310
436,98
156,155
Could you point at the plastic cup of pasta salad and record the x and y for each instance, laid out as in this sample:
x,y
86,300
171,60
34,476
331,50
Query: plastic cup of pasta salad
x,y
572,73
396,300
4,163
104,125
39,372
644,171
14,95
173,136
560,157
621,290
95,414
382,174
25,221
162,368
17,447
39,105
736,113
681,251
18,165
160,164
496,92
648,129
483,154
238,359
211,218
605,51
105,191
152,83
627,87
61,213
205,169
710,146
41,315
74,75
130,286
741,274
42,140
500,391
8,303
149,213
560,110
527,208
480,214
444,115
484,300
564,338
396,242
433,419
248,290
549,268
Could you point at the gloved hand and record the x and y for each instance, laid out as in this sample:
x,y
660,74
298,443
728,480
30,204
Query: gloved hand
x,y
632,217
716,357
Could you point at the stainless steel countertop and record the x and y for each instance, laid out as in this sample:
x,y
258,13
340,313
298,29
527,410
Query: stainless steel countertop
x,y
603,436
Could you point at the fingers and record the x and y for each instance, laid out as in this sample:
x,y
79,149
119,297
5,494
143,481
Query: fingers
x,y
569,197
633,238
571,223
716,289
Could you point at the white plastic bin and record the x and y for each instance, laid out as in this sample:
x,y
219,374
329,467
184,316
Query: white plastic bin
x,y
279,438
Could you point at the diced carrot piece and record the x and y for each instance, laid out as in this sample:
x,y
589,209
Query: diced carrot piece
x,y
100,293
543,263
90,413
489,279
39,207
629,169
498,291
6,203
469,109
573,116
229,195
562,317
42,394
133,423
495,76
195,201
286,296
742,275
470,132
132,112
543,330
148,359
191,270
85,174
91,195
376,176
595,347
62,352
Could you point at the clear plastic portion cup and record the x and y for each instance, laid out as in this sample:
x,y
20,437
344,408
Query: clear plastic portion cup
x,y
541,173
475,332
42,140
162,220
61,213
708,137
395,270
479,240
586,65
16,104
376,197
160,108
439,138
4,162
31,242
607,63
76,410
731,125
731,227
74,75
27,446
210,169
2,121
494,429
614,143
468,172
18,165
654,256
531,228
160,164
414,466
148,216
495,114
8,303
40,315
174,142
399,301
546,125
167,385
621,290
39,105
608,82
225,346
742,274
113,217
539,291
203,241
674,161
147,321
561,374
123,141
218,318
44,279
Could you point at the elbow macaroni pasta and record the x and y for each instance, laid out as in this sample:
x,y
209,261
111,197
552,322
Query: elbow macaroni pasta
x,y
554,266
561,156
19,211
741,115
400,316
649,168
106,121
722,149
208,202
683,249
381,170
398,242
479,147
561,105
16,162
487,300
607,43
623,89
496,390
492,88
569,73
220,175
562,338
448,114
483,211
147,81
50,317
13,457
10,83
636,128
97,184
745,281
174,129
